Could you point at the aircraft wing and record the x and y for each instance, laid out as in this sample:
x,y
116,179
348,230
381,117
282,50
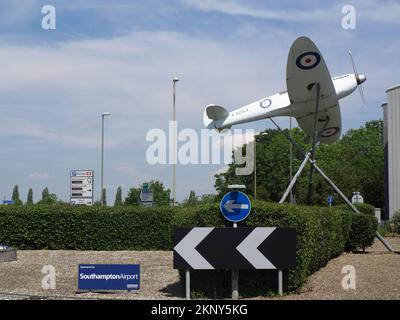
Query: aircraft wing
x,y
328,120
305,67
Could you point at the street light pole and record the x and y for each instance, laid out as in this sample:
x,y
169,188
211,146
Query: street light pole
x,y
104,114
174,161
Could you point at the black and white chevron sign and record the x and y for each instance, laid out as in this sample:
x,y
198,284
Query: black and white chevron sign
x,y
234,248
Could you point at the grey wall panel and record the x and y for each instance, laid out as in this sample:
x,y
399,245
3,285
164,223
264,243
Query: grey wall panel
x,y
393,127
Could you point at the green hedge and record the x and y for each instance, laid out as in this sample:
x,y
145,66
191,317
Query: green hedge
x,y
363,231
364,208
322,234
86,228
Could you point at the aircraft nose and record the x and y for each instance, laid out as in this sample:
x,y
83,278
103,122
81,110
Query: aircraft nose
x,y
361,78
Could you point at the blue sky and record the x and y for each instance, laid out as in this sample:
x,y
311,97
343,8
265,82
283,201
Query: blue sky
x,y
120,56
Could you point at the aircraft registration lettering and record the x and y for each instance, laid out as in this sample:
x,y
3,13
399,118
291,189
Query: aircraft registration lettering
x,y
239,112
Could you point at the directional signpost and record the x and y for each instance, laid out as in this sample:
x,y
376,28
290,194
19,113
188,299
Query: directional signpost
x,y
234,248
329,200
146,196
235,206
81,187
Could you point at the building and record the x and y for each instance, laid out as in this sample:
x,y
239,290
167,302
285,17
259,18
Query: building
x,y
391,119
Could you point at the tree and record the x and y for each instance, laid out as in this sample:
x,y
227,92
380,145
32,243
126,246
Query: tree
x,y
29,201
132,198
104,197
45,193
15,196
355,163
208,199
191,200
48,198
118,197
161,195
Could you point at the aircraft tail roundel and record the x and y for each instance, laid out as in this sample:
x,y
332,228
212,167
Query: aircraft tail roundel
x,y
214,115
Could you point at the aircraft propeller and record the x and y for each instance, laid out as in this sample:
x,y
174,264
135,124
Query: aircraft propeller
x,y
360,79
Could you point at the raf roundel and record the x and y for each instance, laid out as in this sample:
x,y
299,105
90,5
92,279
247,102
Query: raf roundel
x,y
308,60
329,132
266,103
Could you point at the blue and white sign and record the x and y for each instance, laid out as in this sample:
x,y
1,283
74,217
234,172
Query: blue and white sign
x,y
8,202
329,200
235,206
109,277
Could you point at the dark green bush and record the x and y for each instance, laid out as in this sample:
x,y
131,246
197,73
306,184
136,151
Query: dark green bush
x,y
362,207
363,231
86,228
395,222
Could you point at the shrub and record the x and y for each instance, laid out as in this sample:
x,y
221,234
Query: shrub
x,y
395,222
86,228
362,207
363,232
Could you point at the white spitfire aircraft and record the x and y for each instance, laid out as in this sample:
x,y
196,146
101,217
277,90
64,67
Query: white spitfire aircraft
x,y
307,77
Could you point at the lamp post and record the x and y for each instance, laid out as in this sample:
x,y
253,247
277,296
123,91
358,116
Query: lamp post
x,y
104,114
174,161
255,161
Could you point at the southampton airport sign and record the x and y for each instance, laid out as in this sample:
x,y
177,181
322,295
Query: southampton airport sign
x,y
109,277
81,187
234,248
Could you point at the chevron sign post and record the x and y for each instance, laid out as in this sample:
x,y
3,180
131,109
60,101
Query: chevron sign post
x,y
234,248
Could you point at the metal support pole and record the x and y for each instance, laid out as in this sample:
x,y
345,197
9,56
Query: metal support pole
x,y
102,160
187,287
314,143
294,180
280,282
235,279
174,145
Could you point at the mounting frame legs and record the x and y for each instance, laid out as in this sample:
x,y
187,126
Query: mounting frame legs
x,y
307,158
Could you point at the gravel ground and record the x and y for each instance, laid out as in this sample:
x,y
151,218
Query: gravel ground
x,y
377,275
23,277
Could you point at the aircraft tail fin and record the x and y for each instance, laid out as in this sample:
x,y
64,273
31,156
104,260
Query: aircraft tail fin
x,y
213,116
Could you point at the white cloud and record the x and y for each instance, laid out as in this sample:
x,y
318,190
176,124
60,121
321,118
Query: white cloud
x,y
371,10
39,176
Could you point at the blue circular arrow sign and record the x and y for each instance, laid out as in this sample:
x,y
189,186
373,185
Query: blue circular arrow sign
x,y
329,200
235,206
